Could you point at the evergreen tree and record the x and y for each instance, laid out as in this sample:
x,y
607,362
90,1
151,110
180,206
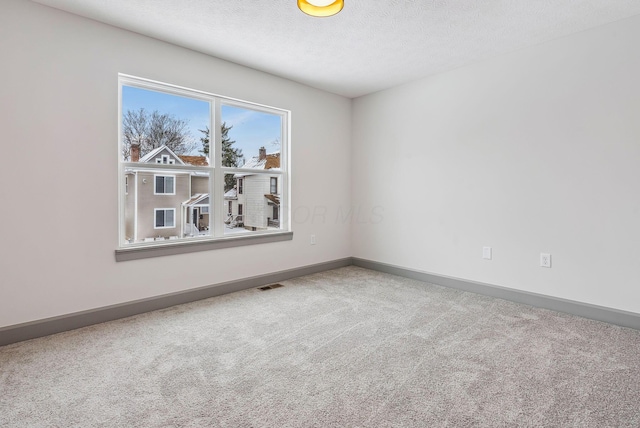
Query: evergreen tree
x,y
231,156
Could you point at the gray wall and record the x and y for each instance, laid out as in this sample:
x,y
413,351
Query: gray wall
x,y
534,151
60,112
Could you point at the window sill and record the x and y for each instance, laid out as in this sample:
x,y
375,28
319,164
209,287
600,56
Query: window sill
x,y
137,253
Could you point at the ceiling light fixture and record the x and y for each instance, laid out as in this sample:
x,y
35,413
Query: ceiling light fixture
x,y
321,8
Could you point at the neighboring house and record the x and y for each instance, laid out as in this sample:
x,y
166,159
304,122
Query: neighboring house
x,y
257,196
165,203
233,211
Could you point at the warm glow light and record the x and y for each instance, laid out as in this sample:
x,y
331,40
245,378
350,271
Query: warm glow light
x,y
321,7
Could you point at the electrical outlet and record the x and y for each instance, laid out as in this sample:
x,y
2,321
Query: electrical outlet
x,y
313,239
486,253
545,260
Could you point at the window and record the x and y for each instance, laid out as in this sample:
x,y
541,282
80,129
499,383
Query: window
x,y
226,153
166,160
165,185
165,218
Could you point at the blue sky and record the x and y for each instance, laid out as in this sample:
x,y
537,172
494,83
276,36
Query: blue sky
x,y
251,129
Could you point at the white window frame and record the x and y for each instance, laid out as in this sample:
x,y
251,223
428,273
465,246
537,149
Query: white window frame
x,y
128,250
155,213
155,178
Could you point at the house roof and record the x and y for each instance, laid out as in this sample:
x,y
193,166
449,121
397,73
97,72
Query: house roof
x,y
194,160
197,199
231,194
273,198
156,152
272,161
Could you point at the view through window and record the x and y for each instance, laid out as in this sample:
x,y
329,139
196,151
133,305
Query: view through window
x,y
197,166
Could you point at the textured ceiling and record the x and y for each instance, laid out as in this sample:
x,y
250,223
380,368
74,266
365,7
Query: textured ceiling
x,y
369,46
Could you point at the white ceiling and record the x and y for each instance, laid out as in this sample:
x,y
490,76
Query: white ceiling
x,y
369,46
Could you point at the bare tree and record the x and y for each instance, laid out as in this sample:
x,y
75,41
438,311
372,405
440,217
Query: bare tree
x,y
153,130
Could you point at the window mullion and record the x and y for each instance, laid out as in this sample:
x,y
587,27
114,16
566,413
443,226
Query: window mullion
x,y
216,202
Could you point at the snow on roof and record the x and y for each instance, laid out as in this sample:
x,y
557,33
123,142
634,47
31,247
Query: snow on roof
x,y
198,199
231,194
272,161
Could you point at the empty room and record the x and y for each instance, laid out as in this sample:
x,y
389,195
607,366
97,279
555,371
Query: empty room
x,y
320,213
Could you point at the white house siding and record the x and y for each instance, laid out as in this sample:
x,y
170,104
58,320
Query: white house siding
x,y
234,207
255,208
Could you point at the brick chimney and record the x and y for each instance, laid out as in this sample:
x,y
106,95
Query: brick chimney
x,y
135,152
263,153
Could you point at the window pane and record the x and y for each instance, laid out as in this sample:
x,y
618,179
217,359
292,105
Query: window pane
x,y
254,210
160,130
248,136
159,184
182,214
152,120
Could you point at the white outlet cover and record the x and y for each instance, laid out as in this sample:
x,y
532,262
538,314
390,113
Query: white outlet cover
x,y
545,260
486,253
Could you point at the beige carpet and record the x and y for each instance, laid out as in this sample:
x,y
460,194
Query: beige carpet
x,y
345,348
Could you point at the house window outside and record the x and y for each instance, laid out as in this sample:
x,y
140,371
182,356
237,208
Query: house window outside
x,y
165,160
164,183
165,218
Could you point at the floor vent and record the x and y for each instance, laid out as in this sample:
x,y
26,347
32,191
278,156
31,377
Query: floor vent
x,y
269,287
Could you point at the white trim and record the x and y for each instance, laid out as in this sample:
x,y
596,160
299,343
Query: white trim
x,y
154,85
216,221
135,207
